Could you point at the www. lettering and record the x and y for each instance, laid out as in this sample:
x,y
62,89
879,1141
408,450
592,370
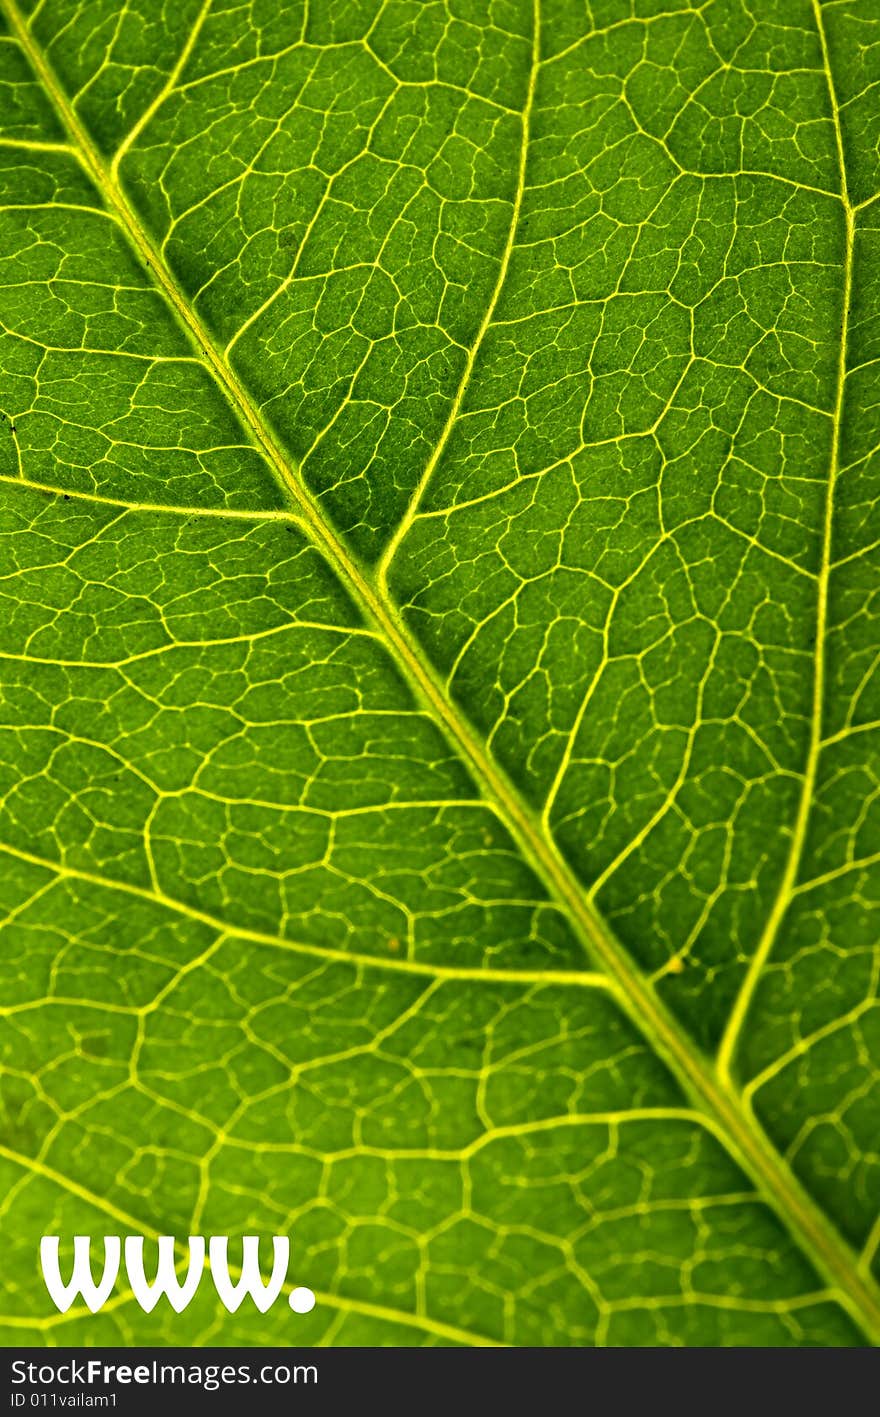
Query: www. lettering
x,y
177,1278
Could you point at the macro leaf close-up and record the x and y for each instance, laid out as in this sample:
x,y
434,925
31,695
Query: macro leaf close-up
x,y
440,655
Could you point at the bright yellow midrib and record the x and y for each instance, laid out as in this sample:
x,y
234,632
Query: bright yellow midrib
x,y
796,1209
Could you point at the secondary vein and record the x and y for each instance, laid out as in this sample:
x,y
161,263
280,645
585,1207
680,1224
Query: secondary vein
x,y
736,1021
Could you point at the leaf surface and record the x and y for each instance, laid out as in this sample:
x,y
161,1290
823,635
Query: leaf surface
x,y
438,773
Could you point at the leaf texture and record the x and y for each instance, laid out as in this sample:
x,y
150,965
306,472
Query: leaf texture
x,y
438,760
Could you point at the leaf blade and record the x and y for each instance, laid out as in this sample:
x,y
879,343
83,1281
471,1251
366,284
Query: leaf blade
x,y
429,692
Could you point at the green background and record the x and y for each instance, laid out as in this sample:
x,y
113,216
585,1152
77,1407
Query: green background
x,y
438,775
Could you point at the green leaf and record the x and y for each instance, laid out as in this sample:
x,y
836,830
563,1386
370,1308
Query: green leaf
x,y
438,759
